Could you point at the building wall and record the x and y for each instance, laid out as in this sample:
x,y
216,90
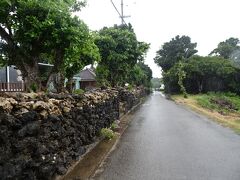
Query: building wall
x,y
3,75
88,84
14,75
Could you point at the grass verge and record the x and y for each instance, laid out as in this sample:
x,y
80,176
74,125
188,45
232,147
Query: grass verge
x,y
224,108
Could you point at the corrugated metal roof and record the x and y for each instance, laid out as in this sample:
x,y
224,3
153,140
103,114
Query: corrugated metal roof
x,y
86,75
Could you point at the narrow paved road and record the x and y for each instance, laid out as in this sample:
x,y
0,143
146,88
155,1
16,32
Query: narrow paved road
x,y
166,141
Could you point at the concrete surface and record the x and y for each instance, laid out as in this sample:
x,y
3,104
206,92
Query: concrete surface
x,y
166,141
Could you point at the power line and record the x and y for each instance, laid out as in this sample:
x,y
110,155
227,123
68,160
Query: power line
x,y
121,15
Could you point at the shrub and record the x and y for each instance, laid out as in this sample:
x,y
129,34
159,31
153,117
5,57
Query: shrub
x,y
114,126
33,87
78,91
107,133
226,102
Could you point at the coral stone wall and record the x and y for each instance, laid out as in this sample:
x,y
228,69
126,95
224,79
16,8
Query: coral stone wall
x,y
42,135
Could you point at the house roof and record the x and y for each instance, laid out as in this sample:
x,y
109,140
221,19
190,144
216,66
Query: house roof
x,y
86,75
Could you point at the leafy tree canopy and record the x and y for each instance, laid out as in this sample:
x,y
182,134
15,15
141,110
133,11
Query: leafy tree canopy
x,y
226,48
141,75
175,50
204,74
34,31
156,82
120,51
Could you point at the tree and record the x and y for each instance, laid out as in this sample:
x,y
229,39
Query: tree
x,y
34,31
170,80
120,51
173,51
142,50
141,75
148,74
210,74
73,48
226,48
82,52
235,58
181,77
203,74
156,82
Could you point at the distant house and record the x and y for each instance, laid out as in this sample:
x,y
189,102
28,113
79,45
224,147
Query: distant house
x,y
86,79
11,79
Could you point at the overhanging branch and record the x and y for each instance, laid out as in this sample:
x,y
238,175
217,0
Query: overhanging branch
x,y
5,36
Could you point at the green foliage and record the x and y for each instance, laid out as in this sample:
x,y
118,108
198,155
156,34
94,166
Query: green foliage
x,y
33,87
181,77
114,126
170,81
204,101
107,133
173,51
130,87
210,74
102,73
82,52
141,74
156,82
120,51
36,31
142,51
203,74
235,58
78,91
183,72
221,102
226,48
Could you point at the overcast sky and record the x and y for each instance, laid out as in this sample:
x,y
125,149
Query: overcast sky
x,y
207,22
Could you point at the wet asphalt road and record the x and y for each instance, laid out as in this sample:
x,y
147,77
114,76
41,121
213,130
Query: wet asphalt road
x,y
166,141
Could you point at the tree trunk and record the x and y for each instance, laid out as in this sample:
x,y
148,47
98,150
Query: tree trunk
x,y
200,86
69,85
31,77
58,76
59,83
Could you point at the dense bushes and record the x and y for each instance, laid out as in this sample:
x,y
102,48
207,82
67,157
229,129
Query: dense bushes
x,y
221,102
184,72
204,74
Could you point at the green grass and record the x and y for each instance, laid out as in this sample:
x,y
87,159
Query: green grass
x,y
206,104
208,101
78,91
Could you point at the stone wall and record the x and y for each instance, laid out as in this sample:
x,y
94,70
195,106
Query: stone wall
x,y
42,135
130,98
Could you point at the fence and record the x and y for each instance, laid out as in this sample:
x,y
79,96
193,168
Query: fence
x,y
12,87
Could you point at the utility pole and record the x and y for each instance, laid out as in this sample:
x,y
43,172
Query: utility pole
x,y
121,14
122,17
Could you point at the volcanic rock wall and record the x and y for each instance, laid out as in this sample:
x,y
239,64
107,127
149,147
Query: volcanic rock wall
x,y
42,135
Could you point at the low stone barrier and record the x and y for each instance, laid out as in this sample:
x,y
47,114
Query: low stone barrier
x,y
42,135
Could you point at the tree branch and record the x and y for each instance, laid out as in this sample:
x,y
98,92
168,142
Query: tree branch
x,y
6,36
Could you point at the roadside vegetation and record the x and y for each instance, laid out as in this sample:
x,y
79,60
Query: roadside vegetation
x,y
209,84
156,83
107,133
221,107
224,103
36,31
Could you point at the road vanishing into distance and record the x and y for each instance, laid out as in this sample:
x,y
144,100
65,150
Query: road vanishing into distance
x,y
166,141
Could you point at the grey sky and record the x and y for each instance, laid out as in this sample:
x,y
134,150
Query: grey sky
x,y
207,22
